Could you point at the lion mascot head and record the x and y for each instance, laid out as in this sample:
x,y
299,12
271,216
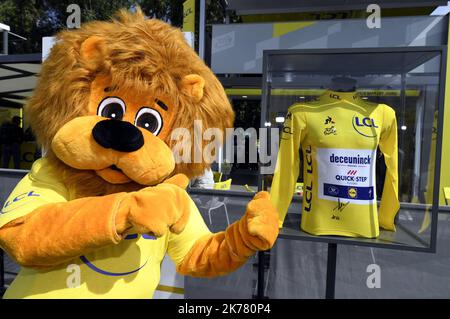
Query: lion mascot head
x,y
109,96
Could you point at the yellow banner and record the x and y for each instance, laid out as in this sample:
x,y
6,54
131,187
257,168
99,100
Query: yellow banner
x,y
189,16
314,92
280,29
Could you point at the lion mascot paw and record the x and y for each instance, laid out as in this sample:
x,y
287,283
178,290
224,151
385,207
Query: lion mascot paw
x,y
108,198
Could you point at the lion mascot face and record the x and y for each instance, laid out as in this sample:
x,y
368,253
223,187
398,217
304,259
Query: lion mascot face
x,y
140,73
108,199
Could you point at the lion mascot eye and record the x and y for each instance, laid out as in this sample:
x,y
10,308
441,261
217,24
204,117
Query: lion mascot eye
x,y
112,108
149,119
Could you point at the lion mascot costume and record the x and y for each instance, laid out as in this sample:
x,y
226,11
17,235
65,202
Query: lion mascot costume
x,y
108,197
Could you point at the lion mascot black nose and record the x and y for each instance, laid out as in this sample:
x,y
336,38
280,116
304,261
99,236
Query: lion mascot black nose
x,y
119,135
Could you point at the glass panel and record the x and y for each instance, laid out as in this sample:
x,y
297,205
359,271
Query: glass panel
x,y
406,81
219,211
237,166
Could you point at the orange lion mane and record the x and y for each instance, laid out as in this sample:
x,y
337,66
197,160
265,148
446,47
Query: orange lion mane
x,y
142,55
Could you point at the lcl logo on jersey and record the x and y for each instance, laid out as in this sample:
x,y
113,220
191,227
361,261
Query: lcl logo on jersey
x,y
19,198
365,126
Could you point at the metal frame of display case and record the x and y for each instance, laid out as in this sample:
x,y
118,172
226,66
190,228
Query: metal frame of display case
x,y
334,241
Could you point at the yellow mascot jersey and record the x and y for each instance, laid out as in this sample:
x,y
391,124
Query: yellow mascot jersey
x,y
339,135
130,269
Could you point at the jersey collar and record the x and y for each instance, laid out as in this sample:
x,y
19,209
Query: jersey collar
x,y
330,96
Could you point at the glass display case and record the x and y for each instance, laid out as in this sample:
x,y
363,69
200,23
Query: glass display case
x,y
411,81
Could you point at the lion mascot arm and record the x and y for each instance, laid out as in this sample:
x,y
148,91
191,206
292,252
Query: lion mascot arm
x,y
54,233
220,253
57,232
39,234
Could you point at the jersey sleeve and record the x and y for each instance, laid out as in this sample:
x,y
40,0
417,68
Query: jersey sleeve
x,y
180,244
28,195
288,162
389,204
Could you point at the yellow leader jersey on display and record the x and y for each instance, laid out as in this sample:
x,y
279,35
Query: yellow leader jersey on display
x,y
130,269
339,135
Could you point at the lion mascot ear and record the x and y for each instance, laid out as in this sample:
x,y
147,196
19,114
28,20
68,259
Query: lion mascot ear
x,y
93,53
192,85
